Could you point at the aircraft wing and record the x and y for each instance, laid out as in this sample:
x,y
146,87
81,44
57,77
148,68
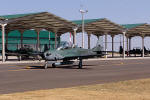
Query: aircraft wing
x,y
83,57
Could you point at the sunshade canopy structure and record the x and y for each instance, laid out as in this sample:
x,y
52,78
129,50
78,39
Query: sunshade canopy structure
x,y
142,29
100,26
38,21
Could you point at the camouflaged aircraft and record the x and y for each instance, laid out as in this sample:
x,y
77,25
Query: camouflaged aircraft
x,y
66,53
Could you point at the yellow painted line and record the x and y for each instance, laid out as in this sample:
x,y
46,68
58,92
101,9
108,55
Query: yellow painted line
x,y
19,70
28,67
132,63
112,64
25,68
121,64
14,70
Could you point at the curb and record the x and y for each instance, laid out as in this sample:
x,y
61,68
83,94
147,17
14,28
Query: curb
x,y
102,59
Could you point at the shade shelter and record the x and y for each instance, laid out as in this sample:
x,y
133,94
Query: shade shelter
x,y
36,21
142,29
99,27
39,21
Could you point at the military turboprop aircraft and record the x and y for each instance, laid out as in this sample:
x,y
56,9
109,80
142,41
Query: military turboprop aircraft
x,y
28,52
66,53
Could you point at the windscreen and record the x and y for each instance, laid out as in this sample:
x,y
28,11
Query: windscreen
x,y
64,45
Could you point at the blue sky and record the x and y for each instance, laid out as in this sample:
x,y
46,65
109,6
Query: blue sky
x,y
118,11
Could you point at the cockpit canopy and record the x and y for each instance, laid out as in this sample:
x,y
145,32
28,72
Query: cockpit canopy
x,y
65,45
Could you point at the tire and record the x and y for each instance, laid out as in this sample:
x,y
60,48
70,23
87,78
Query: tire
x,y
80,64
45,66
53,65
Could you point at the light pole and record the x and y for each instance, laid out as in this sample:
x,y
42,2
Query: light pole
x,y
82,13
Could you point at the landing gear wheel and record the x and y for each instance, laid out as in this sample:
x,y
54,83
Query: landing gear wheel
x,y
45,66
80,64
53,65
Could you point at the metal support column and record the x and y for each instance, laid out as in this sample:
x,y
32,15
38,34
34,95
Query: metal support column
x,y
74,36
127,46
143,46
124,44
6,40
38,40
89,41
112,45
55,40
55,31
106,44
21,32
3,42
49,39
21,40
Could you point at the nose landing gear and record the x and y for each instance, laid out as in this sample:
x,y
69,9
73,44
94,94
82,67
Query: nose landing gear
x,y
80,63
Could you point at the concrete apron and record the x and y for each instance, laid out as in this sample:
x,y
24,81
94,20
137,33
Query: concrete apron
x,y
37,61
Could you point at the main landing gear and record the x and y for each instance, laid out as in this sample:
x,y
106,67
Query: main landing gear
x,y
63,63
46,65
80,63
53,65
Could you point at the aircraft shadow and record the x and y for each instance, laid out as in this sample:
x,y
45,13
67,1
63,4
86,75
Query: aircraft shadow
x,y
35,67
62,66
72,66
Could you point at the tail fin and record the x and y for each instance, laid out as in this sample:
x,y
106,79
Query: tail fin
x,y
98,49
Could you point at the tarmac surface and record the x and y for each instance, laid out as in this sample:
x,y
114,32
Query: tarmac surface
x,y
29,77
